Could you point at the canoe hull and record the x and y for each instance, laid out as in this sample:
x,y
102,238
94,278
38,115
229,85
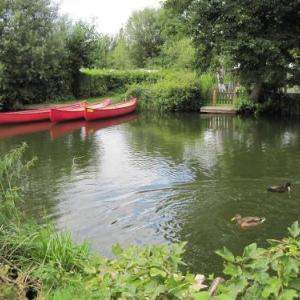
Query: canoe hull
x,y
24,117
73,113
59,115
110,111
31,115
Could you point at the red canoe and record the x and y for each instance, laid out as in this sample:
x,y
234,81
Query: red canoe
x,y
31,115
114,110
74,113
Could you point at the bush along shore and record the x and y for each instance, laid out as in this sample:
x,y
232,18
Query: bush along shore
x,y
161,90
37,262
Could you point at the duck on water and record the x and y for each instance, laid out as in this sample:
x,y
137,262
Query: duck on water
x,y
246,222
280,188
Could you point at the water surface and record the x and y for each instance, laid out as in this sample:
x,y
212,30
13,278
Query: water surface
x,y
150,179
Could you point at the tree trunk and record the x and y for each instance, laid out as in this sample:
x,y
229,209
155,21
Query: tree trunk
x,y
75,84
256,91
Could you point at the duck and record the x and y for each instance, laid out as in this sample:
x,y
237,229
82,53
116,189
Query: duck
x,y
245,222
280,188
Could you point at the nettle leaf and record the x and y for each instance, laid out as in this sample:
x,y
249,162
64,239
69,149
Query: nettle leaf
x,y
290,265
250,250
274,284
261,277
224,297
201,296
157,272
261,264
226,254
237,286
253,292
294,230
295,284
233,270
288,295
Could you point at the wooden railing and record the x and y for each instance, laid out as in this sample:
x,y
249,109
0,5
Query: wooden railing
x,y
221,97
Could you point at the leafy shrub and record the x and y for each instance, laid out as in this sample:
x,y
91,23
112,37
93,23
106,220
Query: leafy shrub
x,y
178,91
178,54
207,82
245,105
97,82
271,273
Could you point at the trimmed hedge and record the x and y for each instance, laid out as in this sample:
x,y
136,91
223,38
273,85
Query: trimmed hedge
x,y
99,82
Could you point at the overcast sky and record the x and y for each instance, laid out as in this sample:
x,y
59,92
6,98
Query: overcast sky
x,y
108,15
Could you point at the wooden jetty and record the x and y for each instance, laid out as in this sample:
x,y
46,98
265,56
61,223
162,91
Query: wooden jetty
x,y
218,110
222,103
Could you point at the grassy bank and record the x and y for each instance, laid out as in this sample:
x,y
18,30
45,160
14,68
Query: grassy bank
x,y
37,262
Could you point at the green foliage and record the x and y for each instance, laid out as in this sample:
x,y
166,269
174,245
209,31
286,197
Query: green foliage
x,y
82,44
177,91
42,53
12,170
144,273
32,52
142,34
101,55
207,83
96,82
119,57
178,54
245,105
259,38
53,256
271,273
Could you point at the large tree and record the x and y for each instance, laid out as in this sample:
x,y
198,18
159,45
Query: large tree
x,y
261,38
143,36
32,52
83,45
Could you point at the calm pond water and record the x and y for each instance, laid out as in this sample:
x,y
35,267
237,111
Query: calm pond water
x,y
149,179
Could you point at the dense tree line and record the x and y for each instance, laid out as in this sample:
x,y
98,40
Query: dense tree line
x,y
41,52
259,39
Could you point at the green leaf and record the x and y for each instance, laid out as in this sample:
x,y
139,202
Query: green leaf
x,y
224,297
237,286
226,254
157,272
291,265
250,251
90,270
117,249
233,270
253,292
201,296
288,295
294,230
273,286
295,284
